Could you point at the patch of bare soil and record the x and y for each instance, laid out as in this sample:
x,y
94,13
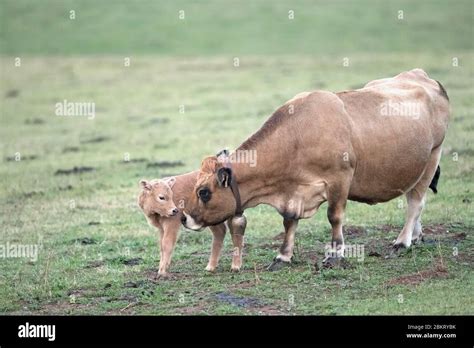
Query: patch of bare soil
x,y
434,229
74,170
165,164
439,271
152,275
99,139
354,231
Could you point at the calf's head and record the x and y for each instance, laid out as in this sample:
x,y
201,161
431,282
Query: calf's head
x,y
211,201
157,197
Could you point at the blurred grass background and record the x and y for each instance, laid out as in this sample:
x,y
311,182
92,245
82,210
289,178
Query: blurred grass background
x,y
234,27
190,63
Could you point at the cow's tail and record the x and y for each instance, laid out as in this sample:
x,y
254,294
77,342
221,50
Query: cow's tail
x,y
434,181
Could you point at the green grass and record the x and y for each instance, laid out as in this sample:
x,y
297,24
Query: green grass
x,y
138,112
234,27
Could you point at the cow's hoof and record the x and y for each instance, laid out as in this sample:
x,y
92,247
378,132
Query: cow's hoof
x,y
396,250
335,262
418,240
163,276
278,264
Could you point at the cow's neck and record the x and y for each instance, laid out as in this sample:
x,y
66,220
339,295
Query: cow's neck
x,y
264,181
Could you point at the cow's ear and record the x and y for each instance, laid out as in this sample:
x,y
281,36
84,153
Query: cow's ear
x,y
222,156
145,184
170,181
224,176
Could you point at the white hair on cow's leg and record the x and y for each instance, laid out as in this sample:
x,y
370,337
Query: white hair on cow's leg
x,y
415,206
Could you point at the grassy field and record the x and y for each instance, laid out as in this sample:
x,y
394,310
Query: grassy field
x,y
182,98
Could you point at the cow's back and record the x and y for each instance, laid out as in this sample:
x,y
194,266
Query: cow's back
x,y
396,123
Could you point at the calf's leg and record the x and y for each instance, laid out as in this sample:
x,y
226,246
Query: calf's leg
x,y
168,240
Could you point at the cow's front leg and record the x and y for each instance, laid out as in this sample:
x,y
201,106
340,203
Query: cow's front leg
x,y
218,234
336,207
286,250
237,226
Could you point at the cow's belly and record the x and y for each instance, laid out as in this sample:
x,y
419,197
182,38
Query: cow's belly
x,y
389,167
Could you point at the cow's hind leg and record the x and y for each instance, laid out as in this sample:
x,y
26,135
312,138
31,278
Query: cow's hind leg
x,y
416,202
412,230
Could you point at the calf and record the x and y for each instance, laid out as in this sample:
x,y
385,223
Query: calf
x,y
162,200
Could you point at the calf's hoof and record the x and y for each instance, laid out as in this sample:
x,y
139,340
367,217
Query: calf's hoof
x,y
335,262
235,269
210,268
278,264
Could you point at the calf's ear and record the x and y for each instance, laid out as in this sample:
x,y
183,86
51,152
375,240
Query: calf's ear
x,y
145,184
224,176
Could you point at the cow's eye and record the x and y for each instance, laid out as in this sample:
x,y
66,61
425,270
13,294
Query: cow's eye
x,y
161,198
204,194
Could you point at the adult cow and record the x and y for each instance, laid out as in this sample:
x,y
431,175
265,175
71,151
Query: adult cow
x,y
368,145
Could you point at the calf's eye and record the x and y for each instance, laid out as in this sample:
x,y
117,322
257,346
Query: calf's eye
x,y
161,198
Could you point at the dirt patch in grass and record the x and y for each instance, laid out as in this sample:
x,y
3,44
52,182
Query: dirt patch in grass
x,y
99,139
191,310
95,264
21,158
74,170
32,193
12,93
354,231
165,164
238,301
434,229
34,121
134,160
71,149
151,274
85,241
159,120
438,271
125,261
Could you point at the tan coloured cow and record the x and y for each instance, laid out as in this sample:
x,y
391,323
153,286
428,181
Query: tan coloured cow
x,y
368,145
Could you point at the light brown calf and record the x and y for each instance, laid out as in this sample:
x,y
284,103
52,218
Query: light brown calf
x,y
162,201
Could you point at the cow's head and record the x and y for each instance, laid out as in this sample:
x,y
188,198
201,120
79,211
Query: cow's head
x,y
211,201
